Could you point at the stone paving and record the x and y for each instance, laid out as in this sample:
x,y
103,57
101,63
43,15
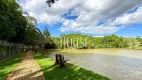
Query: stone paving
x,y
28,69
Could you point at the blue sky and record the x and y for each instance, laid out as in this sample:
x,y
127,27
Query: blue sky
x,y
131,31
91,17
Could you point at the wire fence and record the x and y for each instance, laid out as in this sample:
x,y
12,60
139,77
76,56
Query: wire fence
x,y
8,50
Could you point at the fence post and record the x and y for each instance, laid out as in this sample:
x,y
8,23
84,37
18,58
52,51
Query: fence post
x,y
3,54
9,49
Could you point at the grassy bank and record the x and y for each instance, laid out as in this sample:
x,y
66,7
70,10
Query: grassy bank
x,y
138,48
9,64
70,72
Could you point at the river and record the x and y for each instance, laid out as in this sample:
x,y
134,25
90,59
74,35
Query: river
x,y
117,64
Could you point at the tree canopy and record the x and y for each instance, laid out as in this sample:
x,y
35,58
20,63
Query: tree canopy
x,y
17,26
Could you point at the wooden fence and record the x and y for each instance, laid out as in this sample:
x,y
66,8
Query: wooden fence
x,y
9,49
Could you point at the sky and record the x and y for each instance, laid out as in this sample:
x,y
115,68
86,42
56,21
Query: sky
x,y
92,17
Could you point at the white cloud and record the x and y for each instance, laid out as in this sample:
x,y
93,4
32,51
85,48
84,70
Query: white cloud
x,y
89,12
127,19
40,10
89,28
106,9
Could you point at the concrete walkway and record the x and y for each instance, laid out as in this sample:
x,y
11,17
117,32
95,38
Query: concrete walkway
x,y
28,69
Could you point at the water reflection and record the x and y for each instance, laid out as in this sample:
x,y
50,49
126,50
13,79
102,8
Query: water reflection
x,y
117,64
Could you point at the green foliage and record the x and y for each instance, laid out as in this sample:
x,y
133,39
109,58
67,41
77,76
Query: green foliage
x,y
14,27
2,47
46,33
139,39
112,41
132,42
12,23
48,40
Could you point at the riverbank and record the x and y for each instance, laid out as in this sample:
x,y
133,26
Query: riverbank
x,y
9,65
138,48
70,72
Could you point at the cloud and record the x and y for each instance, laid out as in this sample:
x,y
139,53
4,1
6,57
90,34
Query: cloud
x,y
73,26
40,10
132,18
105,9
113,14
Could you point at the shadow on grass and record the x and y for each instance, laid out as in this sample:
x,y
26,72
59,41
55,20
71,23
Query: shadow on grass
x,y
53,72
70,72
9,64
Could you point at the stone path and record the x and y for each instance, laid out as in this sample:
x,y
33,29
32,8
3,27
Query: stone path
x,y
28,69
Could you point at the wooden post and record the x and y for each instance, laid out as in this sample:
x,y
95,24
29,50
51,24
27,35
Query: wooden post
x,y
61,61
56,59
63,57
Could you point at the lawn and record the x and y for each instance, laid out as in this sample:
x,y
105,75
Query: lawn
x,y
9,64
70,72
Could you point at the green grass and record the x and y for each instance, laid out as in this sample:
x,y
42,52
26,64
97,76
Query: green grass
x,y
9,64
70,72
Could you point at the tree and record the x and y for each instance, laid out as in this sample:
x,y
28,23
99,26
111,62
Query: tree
x,y
132,42
18,27
36,36
48,40
12,22
49,2
46,33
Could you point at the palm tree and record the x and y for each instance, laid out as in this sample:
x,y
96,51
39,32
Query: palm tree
x,y
40,40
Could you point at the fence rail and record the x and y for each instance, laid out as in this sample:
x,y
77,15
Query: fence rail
x,y
9,49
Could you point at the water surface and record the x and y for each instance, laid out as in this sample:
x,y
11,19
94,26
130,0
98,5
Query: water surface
x,y
117,64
